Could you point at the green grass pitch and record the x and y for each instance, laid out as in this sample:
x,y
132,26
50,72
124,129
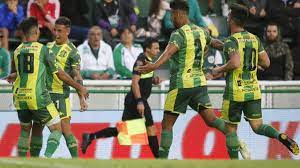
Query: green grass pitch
x,y
92,163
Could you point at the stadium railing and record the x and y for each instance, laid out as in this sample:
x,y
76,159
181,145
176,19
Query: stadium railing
x,y
110,94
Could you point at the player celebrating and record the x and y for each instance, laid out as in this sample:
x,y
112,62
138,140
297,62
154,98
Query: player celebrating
x,y
244,53
136,105
187,82
30,65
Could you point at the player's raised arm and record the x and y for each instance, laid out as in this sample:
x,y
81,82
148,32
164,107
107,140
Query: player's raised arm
x,y
170,50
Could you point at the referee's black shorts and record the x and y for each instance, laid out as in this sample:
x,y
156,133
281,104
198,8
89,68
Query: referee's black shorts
x,y
130,112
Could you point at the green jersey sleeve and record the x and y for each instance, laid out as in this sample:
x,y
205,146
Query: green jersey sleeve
x,y
260,46
207,37
50,61
177,39
75,59
230,46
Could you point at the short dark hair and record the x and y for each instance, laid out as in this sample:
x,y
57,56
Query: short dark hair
x,y
272,24
63,21
28,24
179,5
239,14
122,30
148,43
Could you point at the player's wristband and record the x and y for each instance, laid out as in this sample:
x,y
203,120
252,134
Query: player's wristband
x,y
139,100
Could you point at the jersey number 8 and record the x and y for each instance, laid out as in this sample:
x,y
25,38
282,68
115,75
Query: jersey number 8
x,y
26,62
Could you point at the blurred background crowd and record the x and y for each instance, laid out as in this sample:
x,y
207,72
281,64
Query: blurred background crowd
x,y
108,33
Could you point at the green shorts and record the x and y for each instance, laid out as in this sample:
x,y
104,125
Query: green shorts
x,y
41,116
62,103
232,110
178,99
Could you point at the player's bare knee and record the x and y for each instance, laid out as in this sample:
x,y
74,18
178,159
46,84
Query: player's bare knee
x,y
255,124
208,116
231,128
151,130
66,126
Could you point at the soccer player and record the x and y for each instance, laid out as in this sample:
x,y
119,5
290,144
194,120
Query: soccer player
x,y
188,86
68,59
244,54
136,105
30,65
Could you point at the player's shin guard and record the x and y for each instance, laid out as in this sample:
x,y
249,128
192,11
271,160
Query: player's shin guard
x,y
233,145
23,143
36,146
52,143
219,124
153,143
165,144
268,131
72,145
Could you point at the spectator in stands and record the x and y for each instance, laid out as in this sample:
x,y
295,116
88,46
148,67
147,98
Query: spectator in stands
x,y
154,21
46,12
77,11
195,17
285,15
296,59
11,15
281,67
256,20
4,61
96,57
125,54
114,15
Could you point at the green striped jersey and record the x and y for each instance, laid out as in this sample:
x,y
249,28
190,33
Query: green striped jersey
x,y
68,59
241,83
187,63
32,62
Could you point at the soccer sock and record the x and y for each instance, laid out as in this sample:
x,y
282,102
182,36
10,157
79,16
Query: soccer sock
x,y
104,133
23,143
52,143
268,131
153,143
233,145
72,145
36,146
220,125
165,144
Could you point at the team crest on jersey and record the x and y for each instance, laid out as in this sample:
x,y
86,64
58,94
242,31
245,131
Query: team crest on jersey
x,y
62,54
230,50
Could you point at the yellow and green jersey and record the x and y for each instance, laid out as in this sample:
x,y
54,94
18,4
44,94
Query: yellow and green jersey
x,y
68,59
32,62
187,63
241,83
